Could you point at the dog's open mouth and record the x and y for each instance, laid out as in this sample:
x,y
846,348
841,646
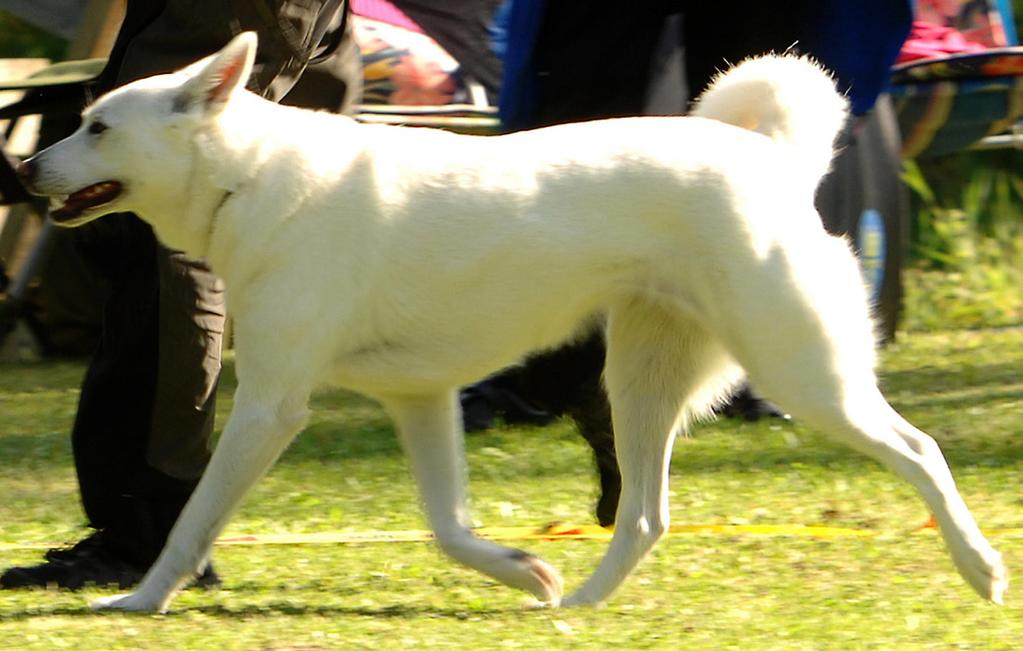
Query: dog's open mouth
x,y
85,199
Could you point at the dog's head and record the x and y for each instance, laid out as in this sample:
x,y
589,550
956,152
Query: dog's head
x,y
135,145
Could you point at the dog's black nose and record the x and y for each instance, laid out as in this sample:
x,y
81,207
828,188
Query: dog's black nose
x,y
26,171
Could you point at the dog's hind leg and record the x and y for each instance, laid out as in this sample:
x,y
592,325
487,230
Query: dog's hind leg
x,y
826,385
431,434
256,433
974,557
662,370
871,426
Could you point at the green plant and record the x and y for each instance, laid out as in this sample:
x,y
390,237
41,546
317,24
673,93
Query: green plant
x,y
966,256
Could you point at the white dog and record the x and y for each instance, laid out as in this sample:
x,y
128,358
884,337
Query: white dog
x,y
403,263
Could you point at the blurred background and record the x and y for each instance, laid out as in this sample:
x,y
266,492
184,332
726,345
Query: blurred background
x,y
963,262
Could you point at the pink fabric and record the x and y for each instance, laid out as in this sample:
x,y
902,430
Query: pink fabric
x,y
385,12
927,41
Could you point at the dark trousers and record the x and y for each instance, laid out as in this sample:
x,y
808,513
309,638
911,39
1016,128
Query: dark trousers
x,y
141,437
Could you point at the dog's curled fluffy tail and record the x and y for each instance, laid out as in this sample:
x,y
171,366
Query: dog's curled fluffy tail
x,y
788,98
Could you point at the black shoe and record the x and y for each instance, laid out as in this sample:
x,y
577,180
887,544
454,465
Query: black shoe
x,y
35,576
89,562
86,545
73,572
750,407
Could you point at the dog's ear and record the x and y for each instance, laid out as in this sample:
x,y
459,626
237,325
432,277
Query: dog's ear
x,y
212,80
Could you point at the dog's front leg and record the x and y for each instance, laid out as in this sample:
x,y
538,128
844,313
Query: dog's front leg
x,y
256,433
431,433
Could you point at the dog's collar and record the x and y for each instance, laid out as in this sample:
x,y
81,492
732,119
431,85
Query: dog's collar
x,y
213,219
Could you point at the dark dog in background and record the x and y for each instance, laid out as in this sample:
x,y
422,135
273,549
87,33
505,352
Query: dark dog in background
x,y
563,382
566,381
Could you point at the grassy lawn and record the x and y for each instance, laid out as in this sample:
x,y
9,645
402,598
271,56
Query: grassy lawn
x,y
893,589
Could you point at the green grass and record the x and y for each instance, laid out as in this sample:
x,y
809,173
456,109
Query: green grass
x,y
345,473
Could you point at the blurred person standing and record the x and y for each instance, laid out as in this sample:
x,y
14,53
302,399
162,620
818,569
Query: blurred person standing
x,y
141,436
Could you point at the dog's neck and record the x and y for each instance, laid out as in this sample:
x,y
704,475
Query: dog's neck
x,y
189,224
226,161
223,160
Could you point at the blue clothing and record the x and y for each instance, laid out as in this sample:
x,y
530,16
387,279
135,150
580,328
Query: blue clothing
x,y
858,40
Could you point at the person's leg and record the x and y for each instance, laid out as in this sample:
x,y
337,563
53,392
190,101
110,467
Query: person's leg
x,y
191,314
108,437
115,407
592,60
141,434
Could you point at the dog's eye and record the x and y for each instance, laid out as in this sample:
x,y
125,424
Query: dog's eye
x,y
97,127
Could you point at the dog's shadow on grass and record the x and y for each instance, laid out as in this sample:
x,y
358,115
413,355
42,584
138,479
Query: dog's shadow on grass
x,y
276,609
291,609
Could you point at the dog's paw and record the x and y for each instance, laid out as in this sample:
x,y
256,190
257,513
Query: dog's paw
x,y
983,569
990,577
998,585
134,602
543,581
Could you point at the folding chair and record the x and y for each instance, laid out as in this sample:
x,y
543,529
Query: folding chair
x,y
59,89
971,100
